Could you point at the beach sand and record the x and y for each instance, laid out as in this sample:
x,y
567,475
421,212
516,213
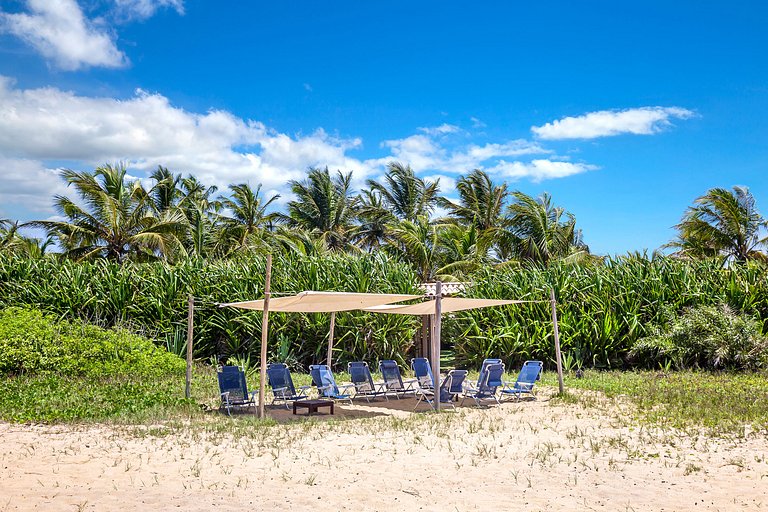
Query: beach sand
x,y
381,457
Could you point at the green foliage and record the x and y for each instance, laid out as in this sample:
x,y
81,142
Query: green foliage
x,y
712,337
34,343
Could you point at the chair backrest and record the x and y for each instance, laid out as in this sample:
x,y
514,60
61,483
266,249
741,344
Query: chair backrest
x,y
529,374
391,374
491,378
486,362
322,378
233,382
423,372
452,385
228,369
360,375
279,376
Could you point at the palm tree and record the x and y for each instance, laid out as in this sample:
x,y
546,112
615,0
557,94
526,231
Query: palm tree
x,y
199,209
536,233
404,194
481,203
116,221
248,218
166,193
324,207
374,218
417,242
463,250
722,223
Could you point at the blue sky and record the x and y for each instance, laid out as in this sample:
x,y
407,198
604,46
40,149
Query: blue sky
x,y
624,113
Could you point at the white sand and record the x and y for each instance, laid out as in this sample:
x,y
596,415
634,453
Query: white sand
x,y
528,456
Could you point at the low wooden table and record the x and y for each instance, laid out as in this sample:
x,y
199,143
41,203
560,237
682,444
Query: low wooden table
x,y
312,405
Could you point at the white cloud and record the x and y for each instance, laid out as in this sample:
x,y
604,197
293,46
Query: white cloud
x,y
60,32
443,129
144,9
477,123
447,183
539,170
605,123
145,131
28,184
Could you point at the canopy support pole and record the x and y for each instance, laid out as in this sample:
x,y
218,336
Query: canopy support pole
x,y
424,336
436,344
330,338
264,332
557,341
190,337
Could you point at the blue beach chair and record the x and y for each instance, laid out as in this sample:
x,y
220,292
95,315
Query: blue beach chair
x,y
279,377
422,370
529,374
361,378
393,381
491,379
450,388
322,379
234,390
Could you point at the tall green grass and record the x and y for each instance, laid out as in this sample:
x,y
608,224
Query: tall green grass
x,y
603,310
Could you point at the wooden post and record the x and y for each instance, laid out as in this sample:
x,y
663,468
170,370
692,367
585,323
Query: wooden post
x,y
557,342
264,331
425,336
190,338
436,343
330,338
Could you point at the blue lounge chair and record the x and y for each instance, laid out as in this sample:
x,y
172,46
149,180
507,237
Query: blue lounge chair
x,y
322,379
529,374
279,377
491,379
361,378
422,370
393,381
234,390
450,388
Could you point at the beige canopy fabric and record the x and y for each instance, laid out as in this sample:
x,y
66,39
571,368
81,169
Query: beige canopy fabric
x,y
323,302
449,305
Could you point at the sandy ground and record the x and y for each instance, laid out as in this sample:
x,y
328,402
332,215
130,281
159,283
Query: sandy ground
x,y
526,456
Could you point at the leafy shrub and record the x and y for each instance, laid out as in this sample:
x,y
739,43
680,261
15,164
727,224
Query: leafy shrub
x,y
32,342
712,337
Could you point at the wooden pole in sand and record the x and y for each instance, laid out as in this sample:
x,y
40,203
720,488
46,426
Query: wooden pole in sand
x,y
424,336
190,337
264,331
557,341
436,343
330,338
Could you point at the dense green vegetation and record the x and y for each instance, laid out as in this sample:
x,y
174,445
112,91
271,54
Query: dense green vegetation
x,y
61,371
603,310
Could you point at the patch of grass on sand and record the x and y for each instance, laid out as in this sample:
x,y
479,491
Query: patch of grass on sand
x,y
722,403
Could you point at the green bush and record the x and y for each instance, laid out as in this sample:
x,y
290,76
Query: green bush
x,y
711,337
32,342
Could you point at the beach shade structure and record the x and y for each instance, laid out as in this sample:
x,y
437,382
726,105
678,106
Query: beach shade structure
x,y
422,370
281,383
393,381
323,380
526,379
360,375
234,390
451,387
489,382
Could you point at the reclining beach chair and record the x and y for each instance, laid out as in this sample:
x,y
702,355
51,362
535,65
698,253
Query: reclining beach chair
x,y
233,389
491,379
422,370
322,379
279,377
450,388
361,378
393,381
529,374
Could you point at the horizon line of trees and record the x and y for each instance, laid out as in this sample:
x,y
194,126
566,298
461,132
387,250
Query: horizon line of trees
x,y
489,225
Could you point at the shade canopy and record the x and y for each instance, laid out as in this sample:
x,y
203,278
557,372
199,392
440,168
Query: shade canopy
x,y
323,302
449,305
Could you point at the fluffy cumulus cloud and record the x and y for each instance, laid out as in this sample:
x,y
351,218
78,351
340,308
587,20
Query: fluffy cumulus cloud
x,y
606,123
539,169
61,33
28,185
144,9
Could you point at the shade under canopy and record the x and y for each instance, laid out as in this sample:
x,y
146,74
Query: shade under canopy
x,y
449,305
323,302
